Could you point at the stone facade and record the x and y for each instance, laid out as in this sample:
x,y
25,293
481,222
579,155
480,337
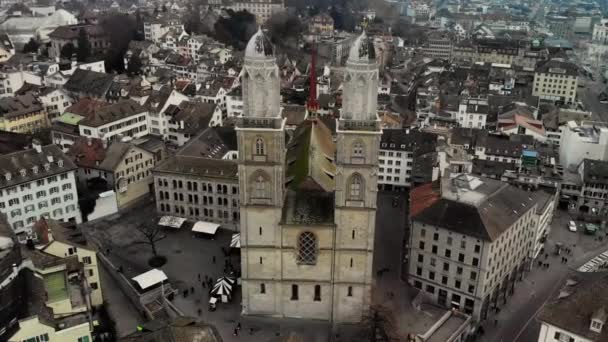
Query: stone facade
x,y
294,266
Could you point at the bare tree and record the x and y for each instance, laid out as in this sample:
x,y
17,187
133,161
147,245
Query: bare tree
x,y
152,233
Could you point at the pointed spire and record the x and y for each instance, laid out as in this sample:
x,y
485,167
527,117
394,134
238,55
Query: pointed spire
x,y
312,103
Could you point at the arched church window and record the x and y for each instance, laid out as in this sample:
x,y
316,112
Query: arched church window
x,y
355,188
260,186
307,248
260,148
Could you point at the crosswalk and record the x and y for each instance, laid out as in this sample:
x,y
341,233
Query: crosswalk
x,y
594,264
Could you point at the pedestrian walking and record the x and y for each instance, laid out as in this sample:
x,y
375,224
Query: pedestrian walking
x,y
192,289
236,332
250,331
199,277
495,322
213,259
199,311
238,325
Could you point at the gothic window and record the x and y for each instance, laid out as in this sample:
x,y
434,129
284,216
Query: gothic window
x,y
260,186
260,148
355,188
317,297
307,248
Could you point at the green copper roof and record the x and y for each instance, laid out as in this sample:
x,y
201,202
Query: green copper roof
x,y
70,119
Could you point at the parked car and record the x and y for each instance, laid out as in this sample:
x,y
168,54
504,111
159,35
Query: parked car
x,y
572,226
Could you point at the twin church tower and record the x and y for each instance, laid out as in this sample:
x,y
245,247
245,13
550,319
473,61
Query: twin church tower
x,y
308,205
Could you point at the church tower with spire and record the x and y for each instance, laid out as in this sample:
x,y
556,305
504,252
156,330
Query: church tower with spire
x,y
261,146
357,147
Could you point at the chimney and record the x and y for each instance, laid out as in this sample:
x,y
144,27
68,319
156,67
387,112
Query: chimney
x,y
37,146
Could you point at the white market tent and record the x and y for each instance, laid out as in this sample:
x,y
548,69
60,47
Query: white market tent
x,y
171,221
150,278
236,241
222,290
205,227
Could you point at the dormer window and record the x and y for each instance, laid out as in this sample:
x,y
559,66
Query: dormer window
x,y
7,176
22,172
35,169
47,166
60,163
598,319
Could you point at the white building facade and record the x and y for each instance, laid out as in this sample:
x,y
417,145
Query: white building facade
x,y
37,183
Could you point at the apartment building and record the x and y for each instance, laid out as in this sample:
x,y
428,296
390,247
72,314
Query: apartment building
x,y
12,78
321,24
555,122
35,183
600,33
499,51
583,293
400,149
593,199
438,45
155,28
471,239
122,167
69,34
22,114
473,112
261,9
125,119
556,81
64,240
584,140
157,104
560,25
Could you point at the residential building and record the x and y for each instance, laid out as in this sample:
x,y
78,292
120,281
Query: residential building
x,y
66,240
316,213
584,296
62,35
234,102
471,239
600,32
157,104
399,151
7,49
555,122
124,168
155,28
22,114
13,293
438,45
321,24
35,183
123,120
261,9
36,328
501,51
54,100
64,129
557,81
520,120
585,140
87,83
593,199
473,112
12,78
560,25
190,118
